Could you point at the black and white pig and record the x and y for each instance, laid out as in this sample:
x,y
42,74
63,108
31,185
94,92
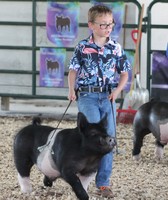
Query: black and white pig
x,y
71,154
151,117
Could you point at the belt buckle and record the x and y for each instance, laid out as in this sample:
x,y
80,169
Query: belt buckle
x,y
95,89
92,89
101,89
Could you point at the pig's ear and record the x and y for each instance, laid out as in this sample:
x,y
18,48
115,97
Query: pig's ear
x,y
103,121
81,121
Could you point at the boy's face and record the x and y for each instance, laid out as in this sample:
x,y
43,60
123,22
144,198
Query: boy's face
x,y
102,26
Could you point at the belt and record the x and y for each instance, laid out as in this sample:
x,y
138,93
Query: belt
x,y
94,89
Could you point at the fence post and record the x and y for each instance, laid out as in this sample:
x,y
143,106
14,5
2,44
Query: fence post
x,y
5,103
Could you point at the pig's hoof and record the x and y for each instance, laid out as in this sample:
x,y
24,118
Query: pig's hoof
x,y
136,157
26,190
24,184
47,182
159,152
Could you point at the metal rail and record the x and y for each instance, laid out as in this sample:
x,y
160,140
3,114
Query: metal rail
x,y
149,28
33,48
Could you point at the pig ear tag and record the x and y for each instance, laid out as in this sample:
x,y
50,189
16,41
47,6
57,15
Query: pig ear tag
x,y
52,135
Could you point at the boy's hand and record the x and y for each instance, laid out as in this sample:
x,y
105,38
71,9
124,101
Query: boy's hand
x,y
123,80
113,96
72,95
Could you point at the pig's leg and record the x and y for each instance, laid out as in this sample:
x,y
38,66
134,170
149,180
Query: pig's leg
x,y
70,177
23,167
47,182
85,180
138,142
159,150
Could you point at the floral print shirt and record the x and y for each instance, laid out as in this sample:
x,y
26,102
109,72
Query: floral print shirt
x,y
97,66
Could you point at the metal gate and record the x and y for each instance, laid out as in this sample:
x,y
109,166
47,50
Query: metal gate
x,y
20,80
152,28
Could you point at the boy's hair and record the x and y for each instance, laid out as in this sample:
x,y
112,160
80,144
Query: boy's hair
x,y
97,11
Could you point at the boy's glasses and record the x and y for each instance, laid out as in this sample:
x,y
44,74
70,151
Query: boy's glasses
x,y
105,26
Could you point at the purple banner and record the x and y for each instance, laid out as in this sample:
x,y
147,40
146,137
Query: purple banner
x,y
62,23
160,76
52,63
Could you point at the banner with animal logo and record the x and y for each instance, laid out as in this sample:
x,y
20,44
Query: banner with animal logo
x,y
159,75
62,23
118,14
52,63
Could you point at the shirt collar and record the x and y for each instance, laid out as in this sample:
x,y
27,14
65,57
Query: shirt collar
x,y
91,41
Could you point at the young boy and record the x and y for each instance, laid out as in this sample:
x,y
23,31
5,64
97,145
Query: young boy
x,y
92,69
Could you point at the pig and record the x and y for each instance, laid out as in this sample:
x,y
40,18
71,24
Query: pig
x,y
71,154
151,117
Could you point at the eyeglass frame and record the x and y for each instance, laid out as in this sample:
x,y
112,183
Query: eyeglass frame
x,y
107,25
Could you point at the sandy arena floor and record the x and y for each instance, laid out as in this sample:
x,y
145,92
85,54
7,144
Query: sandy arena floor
x,y
145,180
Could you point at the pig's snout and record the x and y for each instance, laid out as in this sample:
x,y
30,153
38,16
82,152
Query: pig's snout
x,y
111,141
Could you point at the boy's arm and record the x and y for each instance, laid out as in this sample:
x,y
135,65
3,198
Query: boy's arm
x,y
71,83
122,82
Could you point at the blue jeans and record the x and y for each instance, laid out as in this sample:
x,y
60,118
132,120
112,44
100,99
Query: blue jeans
x,y
94,106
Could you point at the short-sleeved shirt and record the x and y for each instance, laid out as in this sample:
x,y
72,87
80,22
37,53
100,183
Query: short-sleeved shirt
x,y
96,65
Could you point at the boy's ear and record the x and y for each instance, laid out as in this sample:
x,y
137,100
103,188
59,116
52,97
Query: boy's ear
x,y
90,25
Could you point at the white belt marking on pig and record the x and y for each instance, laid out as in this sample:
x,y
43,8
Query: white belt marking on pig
x,y
44,161
164,133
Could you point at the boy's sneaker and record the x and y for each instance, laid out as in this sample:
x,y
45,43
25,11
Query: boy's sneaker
x,y
105,192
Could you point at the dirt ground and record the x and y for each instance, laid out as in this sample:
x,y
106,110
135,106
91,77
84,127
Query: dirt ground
x,y
143,180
